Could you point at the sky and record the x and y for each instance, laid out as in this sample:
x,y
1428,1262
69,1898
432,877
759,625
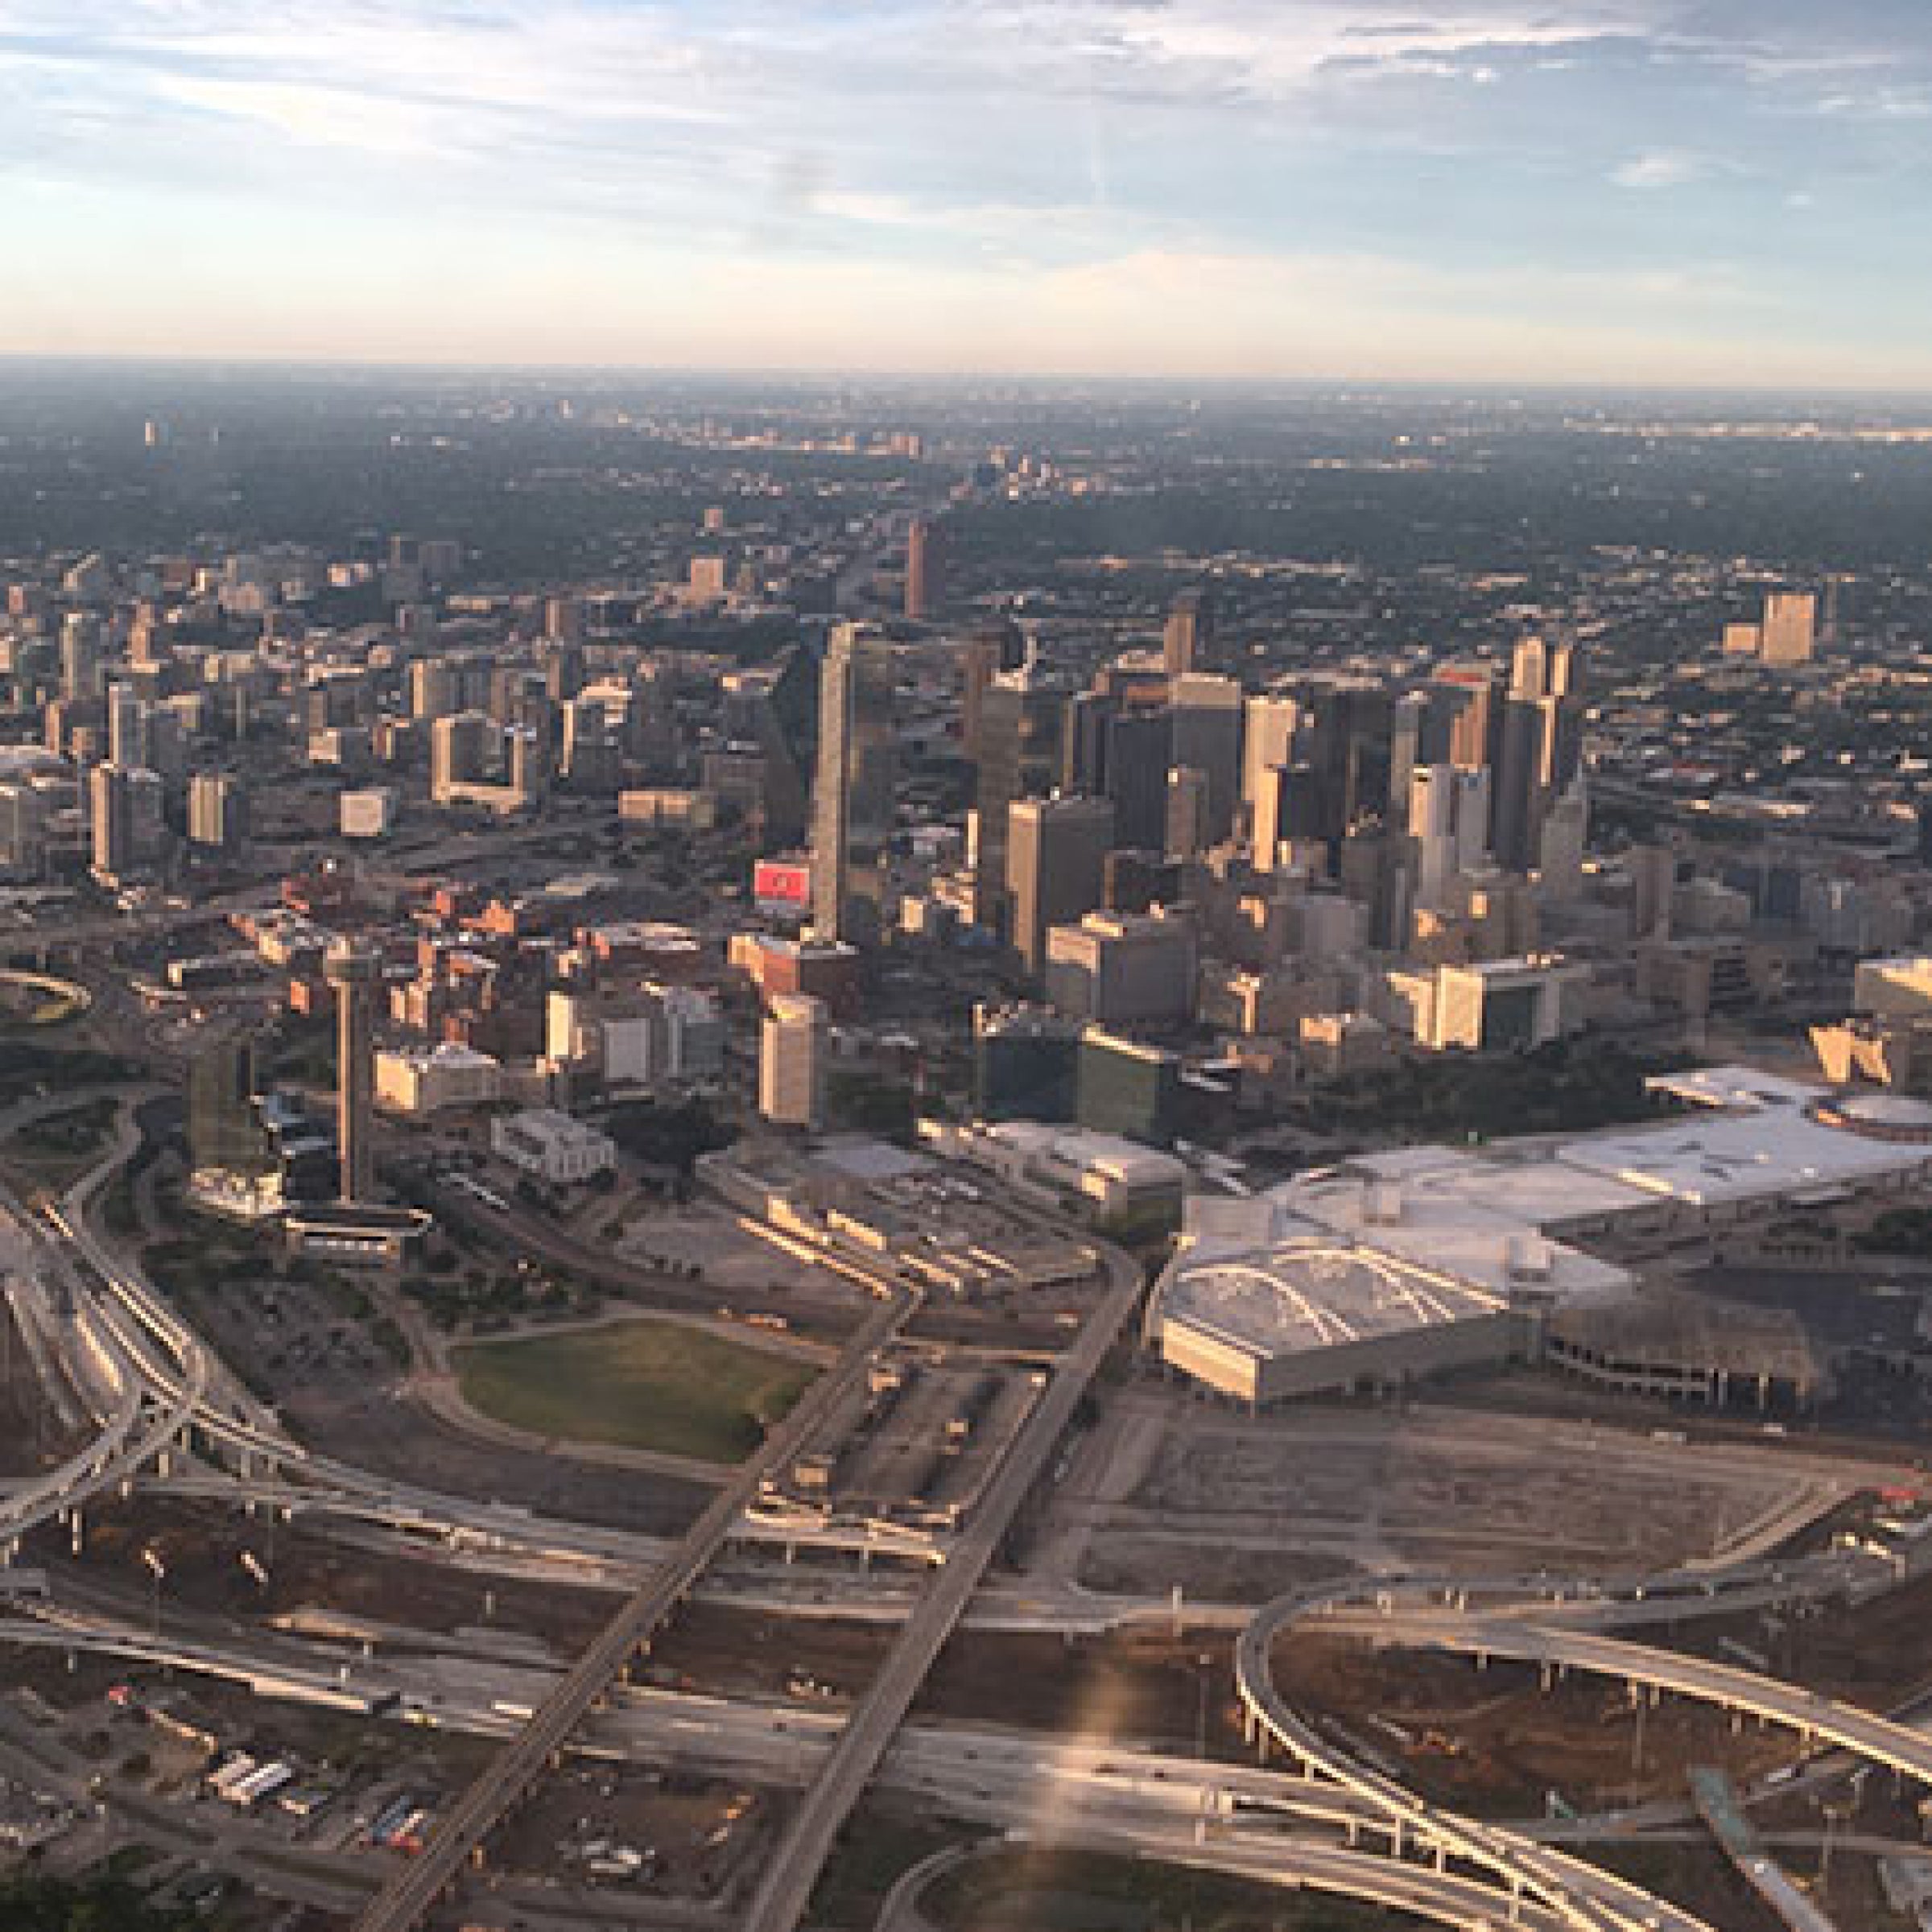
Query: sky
x,y
1639,192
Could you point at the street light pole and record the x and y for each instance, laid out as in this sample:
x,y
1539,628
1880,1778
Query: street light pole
x,y
156,1569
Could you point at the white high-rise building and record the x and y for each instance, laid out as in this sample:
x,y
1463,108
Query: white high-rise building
x,y
1449,822
1267,745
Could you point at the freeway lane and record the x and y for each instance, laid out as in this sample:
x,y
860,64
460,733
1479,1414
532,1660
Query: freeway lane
x,y
1583,1897
780,1901
413,1890
1898,1746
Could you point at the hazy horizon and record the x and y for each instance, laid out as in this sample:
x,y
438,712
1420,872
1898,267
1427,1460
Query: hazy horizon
x,y
1331,385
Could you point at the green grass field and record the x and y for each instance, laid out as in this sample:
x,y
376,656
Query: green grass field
x,y
643,1385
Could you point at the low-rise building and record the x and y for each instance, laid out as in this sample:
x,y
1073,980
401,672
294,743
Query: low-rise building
x,y
1397,1264
1893,988
1123,968
1504,1004
552,1145
431,1079
1104,1179
369,812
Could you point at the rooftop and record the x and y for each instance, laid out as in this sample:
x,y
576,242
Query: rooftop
x,y
1738,1157
1312,1291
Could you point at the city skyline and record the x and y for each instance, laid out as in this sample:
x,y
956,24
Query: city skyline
x,y
1652,191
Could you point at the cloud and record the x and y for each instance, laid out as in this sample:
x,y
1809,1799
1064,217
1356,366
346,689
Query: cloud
x,y
1001,148
1653,171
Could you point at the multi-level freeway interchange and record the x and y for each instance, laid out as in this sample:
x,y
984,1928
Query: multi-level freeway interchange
x,y
164,1411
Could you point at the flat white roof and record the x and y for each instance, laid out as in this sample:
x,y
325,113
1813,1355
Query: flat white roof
x,y
1082,1147
1414,1236
868,1160
1731,1157
1466,1216
1731,1089
552,1127
445,1053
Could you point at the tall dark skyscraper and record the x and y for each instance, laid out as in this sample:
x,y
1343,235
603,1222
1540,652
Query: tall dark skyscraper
x,y
1207,727
225,1131
1541,746
987,650
1350,755
852,801
1020,729
1140,748
1090,716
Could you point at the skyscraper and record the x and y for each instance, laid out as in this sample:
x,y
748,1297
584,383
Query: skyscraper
x,y
1020,729
591,755
853,798
1267,743
1350,756
1140,748
125,824
128,717
458,750
925,567
1465,722
987,650
1790,628
792,1061
1188,634
224,1128
777,710
1448,827
1208,739
1565,838
1539,750
355,970
80,655
218,811
1056,864
1187,812
22,830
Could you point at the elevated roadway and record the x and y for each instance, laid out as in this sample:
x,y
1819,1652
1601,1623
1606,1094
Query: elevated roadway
x,y
780,1901
413,1891
1815,1717
1583,1897
1533,1620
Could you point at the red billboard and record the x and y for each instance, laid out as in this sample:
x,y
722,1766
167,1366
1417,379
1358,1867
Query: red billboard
x,y
782,884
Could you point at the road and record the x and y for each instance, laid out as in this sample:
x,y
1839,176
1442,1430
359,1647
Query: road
x,y
414,1889
1585,1898
1282,1826
174,1367
1898,1747
1539,1623
781,1899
